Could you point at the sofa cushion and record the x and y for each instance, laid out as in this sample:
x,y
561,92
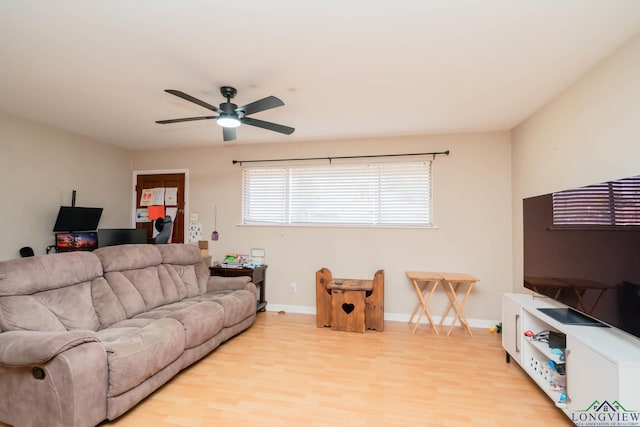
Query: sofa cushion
x,y
24,313
26,276
140,282
185,280
107,305
69,308
128,257
237,305
201,320
135,352
49,292
186,268
132,272
179,254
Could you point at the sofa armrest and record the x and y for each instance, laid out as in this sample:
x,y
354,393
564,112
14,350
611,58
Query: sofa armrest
x,y
220,283
30,348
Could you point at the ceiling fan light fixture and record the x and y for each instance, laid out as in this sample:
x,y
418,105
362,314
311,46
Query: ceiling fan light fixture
x,y
227,121
230,116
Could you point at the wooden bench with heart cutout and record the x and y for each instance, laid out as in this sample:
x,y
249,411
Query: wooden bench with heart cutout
x,y
349,305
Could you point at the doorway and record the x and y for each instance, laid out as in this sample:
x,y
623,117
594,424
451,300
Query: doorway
x,y
167,180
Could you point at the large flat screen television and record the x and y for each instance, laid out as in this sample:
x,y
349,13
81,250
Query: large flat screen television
x,y
73,218
582,248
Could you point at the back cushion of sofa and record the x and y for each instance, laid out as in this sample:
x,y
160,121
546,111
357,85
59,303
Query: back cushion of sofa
x,y
186,268
49,292
131,272
137,279
107,305
128,257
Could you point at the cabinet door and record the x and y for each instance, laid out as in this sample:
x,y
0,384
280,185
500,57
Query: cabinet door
x,y
512,328
590,377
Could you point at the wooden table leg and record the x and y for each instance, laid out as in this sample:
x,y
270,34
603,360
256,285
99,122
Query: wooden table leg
x,y
458,306
418,303
424,303
420,291
451,296
463,317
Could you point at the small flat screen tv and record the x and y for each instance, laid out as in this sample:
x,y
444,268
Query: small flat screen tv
x,y
84,241
582,248
73,218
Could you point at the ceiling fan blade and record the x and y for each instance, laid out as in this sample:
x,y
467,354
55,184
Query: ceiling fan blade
x,y
228,134
190,98
267,125
260,105
186,119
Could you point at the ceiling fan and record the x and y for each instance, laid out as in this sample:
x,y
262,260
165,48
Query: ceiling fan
x,y
230,116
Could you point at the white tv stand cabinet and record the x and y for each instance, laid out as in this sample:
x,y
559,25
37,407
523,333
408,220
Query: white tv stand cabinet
x,y
602,364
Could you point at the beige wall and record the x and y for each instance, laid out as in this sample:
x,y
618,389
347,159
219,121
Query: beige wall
x,y
472,203
40,167
588,134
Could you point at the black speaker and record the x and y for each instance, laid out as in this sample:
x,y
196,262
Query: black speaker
x,y
26,252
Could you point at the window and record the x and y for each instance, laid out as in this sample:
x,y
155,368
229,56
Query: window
x,y
613,203
360,194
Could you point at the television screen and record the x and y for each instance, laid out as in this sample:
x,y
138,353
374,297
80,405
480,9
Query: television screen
x,y
121,236
72,218
85,241
581,248
64,242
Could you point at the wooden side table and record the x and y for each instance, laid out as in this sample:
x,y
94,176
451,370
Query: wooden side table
x,y
428,280
349,304
451,282
257,277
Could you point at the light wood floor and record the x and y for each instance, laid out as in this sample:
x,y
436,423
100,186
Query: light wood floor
x,y
284,371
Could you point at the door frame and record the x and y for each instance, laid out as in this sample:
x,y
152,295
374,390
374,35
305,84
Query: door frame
x,y
156,172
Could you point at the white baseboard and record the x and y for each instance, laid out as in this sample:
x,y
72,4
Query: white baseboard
x,y
394,317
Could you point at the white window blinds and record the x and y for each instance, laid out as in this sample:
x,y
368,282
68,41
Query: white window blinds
x,y
613,203
360,194
265,195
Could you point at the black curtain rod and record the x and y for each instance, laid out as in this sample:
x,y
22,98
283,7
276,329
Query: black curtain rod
x,y
433,153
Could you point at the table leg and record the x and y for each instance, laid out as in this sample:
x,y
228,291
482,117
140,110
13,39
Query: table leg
x,y
451,296
418,303
420,291
421,302
424,303
459,307
463,317
426,308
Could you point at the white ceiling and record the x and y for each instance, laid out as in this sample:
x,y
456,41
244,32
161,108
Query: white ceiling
x,y
344,69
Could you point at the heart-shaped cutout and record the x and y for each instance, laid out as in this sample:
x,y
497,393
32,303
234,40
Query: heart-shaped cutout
x,y
348,307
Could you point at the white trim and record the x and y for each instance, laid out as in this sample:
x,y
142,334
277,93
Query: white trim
x,y
291,308
393,317
161,171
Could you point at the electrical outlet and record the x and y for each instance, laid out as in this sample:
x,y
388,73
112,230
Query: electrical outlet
x,y
193,217
293,287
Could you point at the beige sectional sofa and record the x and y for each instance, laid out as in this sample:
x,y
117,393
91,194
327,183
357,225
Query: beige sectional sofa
x,y
85,336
